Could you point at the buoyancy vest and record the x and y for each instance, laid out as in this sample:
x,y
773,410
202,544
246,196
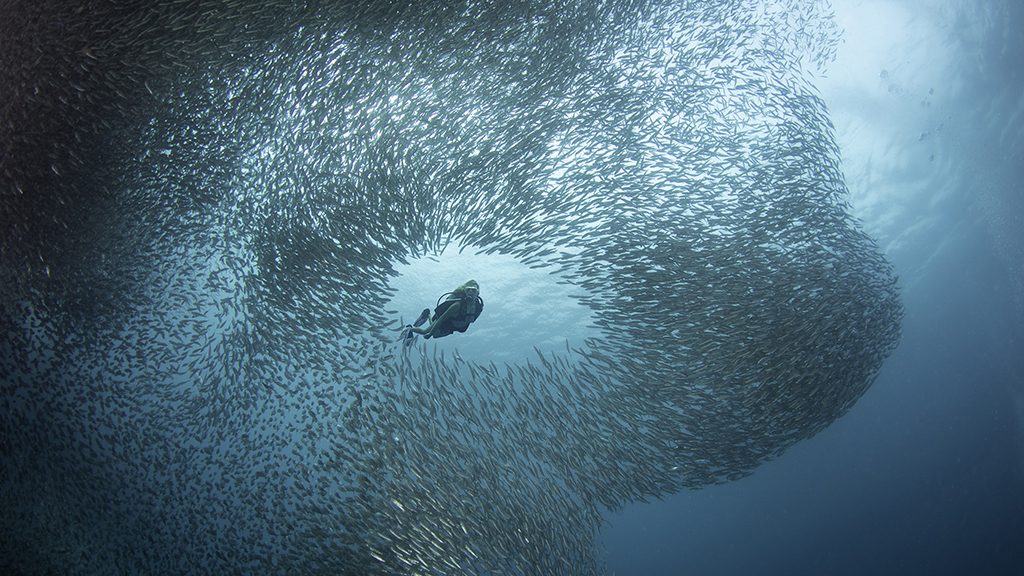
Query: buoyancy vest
x,y
469,311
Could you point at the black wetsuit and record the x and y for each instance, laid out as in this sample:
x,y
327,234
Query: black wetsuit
x,y
469,311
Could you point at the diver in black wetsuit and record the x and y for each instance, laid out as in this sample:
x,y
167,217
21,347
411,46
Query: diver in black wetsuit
x,y
462,307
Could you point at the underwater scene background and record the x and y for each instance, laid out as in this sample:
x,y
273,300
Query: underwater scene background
x,y
752,273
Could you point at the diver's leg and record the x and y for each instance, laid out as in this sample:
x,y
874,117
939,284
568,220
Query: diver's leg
x,y
424,316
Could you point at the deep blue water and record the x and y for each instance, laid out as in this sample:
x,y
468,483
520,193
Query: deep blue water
x,y
922,476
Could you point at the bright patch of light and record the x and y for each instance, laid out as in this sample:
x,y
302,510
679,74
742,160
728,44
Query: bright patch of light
x,y
523,306
888,91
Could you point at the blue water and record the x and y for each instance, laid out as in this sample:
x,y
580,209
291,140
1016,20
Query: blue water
x,y
925,475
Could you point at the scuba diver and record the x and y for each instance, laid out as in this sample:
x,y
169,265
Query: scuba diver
x,y
462,307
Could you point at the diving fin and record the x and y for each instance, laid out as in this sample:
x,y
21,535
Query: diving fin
x,y
408,337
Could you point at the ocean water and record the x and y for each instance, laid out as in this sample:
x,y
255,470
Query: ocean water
x,y
690,361
925,474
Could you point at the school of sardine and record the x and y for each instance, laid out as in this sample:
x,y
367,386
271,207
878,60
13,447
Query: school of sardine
x,y
203,204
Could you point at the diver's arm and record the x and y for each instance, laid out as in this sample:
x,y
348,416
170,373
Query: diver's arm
x,y
452,310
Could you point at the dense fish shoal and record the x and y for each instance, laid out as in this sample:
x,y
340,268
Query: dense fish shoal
x,y
203,207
